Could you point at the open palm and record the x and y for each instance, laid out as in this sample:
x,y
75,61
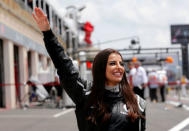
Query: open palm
x,y
41,20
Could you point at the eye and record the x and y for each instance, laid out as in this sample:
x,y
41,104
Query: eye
x,y
112,63
121,63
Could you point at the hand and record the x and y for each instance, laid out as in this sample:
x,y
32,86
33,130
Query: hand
x,y
41,20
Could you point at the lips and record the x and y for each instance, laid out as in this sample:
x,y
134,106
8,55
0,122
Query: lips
x,y
118,74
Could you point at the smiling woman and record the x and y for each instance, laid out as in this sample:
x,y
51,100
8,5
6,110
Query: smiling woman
x,y
100,108
114,70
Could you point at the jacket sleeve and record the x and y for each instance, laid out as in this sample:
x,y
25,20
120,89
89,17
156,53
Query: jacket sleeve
x,y
68,74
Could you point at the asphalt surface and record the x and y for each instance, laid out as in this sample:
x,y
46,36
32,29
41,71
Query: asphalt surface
x,y
38,120
159,116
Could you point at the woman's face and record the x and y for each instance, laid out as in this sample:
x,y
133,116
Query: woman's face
x,y
114,70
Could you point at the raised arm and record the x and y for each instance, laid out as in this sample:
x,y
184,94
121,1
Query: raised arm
x,y
68,74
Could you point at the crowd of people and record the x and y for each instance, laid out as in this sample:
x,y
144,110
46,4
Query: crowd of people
x,y
155,80
140,79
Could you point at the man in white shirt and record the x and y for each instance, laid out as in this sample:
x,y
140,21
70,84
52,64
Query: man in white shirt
x,y
132,71
140,79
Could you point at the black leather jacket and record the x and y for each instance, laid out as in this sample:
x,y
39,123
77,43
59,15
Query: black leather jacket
x,y
76,89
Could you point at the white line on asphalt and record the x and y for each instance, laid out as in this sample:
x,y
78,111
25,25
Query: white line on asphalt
x,y
62,113
186,107
173,103
177,104
23,116
181,125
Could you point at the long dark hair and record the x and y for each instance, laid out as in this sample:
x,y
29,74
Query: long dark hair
x,y
97,92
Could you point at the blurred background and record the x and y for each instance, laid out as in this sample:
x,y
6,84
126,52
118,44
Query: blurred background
x,y
156,33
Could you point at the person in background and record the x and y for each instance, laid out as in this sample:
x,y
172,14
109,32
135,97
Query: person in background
x,y
110,105
183,85
162,78
132,71
59,91
140,79
153,85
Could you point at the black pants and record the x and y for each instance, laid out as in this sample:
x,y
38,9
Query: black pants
x,y
162,92
140,92
153,94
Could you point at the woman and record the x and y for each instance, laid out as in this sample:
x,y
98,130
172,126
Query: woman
x,y
110,105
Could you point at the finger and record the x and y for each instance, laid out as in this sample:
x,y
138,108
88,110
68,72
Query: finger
x,y
39,12
35,18
35,10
